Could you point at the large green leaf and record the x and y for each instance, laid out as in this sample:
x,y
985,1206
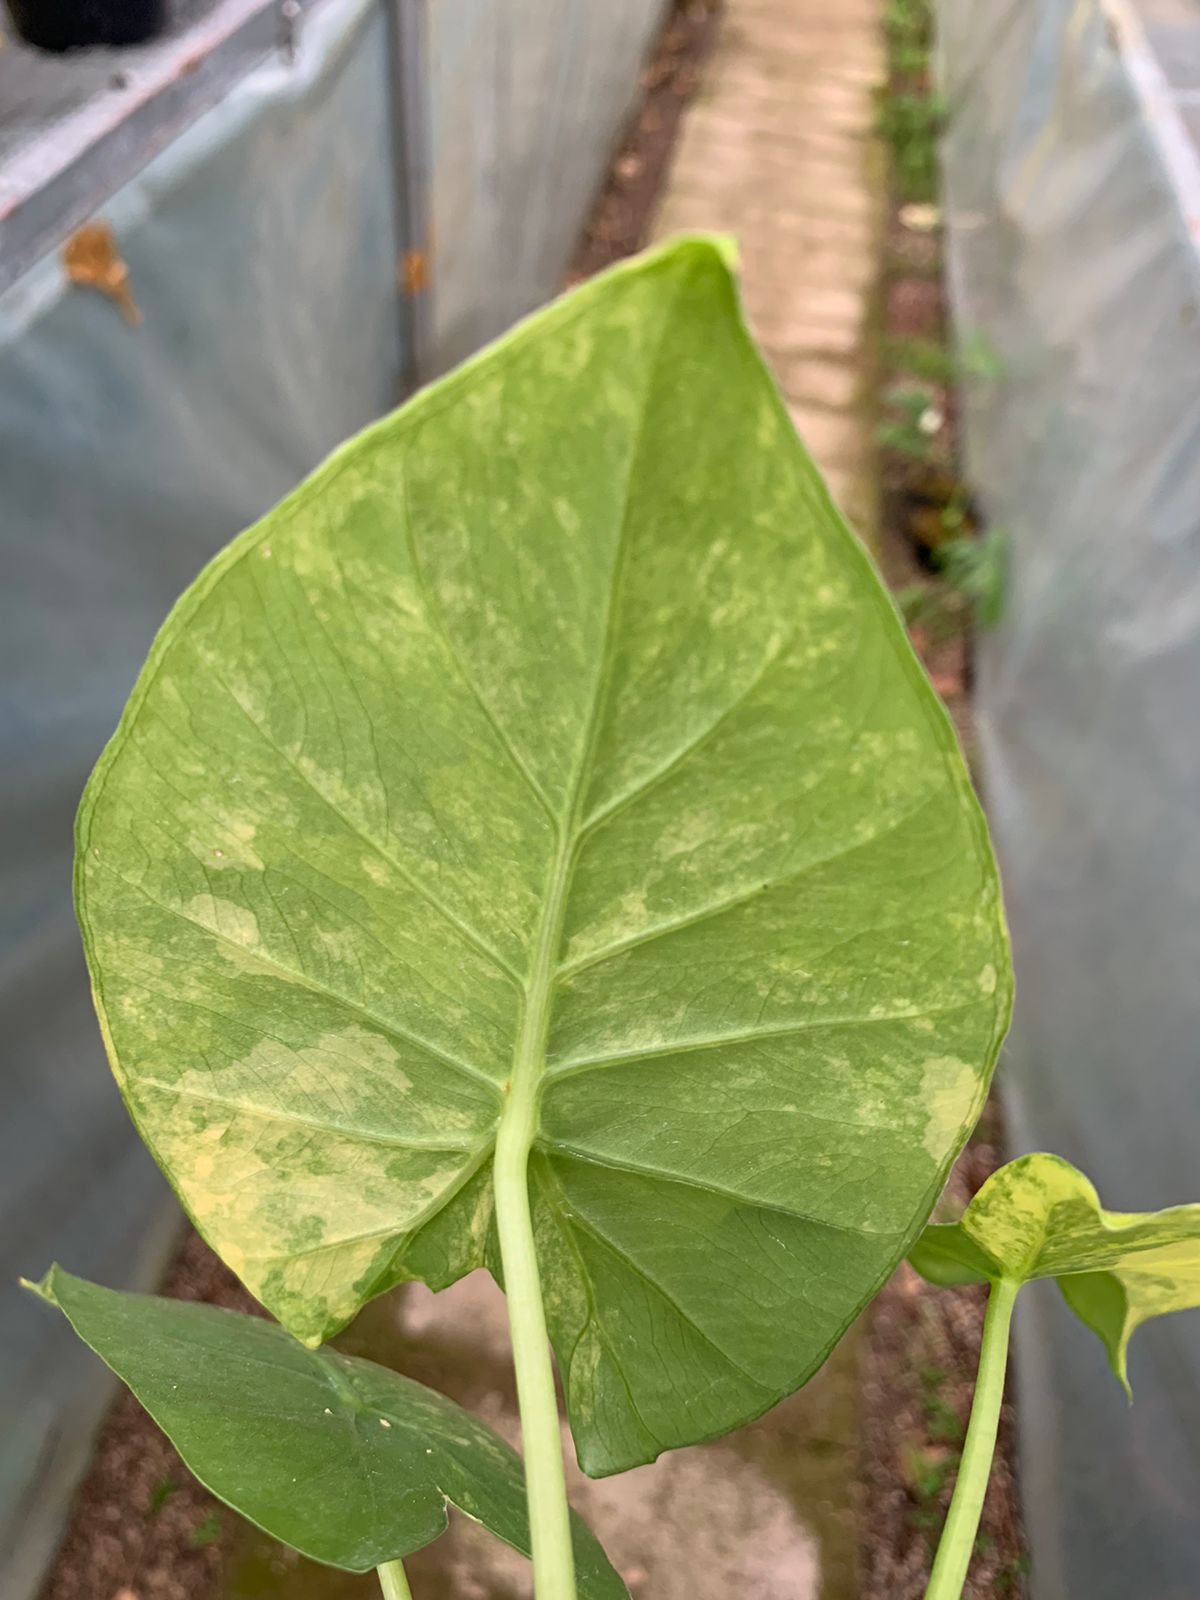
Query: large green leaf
x,y
1039,1217
344,1460
558,721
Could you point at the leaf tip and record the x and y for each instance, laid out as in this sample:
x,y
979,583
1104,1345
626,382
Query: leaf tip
x,y
726,247
1119,1362
44,1287
721,247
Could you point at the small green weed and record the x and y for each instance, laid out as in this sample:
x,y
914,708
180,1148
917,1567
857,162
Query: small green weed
x,y
160,1494
911,423
975,567
206,1532
911,124
927,1471
927,1520
970,583
941,1419
908,25
930,361
1009,1579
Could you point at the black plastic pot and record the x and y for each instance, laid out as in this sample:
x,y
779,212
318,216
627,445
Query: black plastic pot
x,y
74,24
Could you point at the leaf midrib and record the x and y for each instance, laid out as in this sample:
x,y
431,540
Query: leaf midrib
x,y
529,1069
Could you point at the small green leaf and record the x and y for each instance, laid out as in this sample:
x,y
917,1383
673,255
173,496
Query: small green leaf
x,y
557,729
1039,1217
945,1255
344,1460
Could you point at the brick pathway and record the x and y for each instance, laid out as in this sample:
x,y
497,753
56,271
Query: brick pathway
x,y
777,149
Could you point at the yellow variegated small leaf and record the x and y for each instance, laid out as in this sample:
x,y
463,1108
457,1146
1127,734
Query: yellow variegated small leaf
x,y
1039,1217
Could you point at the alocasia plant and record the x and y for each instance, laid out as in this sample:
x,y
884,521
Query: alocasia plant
x,y
535,845
1039,1217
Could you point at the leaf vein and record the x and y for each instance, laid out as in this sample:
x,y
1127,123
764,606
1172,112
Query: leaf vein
x,y
474,939
304,981
366,1135
668,768
573,1068
641,1169
719,908
436,616
402,1232
602,1239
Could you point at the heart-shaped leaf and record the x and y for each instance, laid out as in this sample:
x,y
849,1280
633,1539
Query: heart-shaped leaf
x,y
556,733
342,1459
1039,1217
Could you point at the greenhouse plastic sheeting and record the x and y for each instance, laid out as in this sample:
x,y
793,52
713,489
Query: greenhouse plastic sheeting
x,y
261,255
526,101
1072,203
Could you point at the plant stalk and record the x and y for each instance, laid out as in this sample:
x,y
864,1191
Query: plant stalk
x,y
545,1483
962,1520
393,1580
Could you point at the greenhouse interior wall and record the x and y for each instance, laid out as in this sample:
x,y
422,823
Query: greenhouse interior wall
x,y
1072,193
268,241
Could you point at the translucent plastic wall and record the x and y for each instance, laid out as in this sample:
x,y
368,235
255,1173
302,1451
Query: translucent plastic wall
x,y
260,247
1072,199
526,101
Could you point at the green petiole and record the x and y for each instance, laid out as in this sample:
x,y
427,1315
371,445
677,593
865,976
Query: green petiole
x,y
962,1521
393,1580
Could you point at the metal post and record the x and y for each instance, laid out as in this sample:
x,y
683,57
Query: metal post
x,y
413,177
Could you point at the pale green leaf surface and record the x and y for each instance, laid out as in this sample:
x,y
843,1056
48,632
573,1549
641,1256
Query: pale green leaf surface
x,y
1039,1217
344,1460
564,688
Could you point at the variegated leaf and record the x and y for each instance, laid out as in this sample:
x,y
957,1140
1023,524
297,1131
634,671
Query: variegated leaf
x,y
557,725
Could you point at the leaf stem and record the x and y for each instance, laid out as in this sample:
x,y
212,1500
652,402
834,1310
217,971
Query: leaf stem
x,y
962,1521
545,1484
549,1517
393,1580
